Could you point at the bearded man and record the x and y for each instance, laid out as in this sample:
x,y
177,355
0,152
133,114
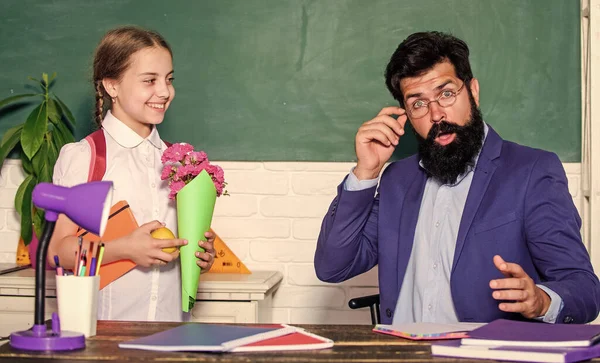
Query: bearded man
x,y
472,228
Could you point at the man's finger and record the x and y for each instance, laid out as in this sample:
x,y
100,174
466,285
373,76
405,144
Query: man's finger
x,y
509,269
508,283
397,125
384,129
516,307
392,110
376,135
512,295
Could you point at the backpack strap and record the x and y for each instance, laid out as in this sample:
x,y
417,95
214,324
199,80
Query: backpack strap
x,y
97,142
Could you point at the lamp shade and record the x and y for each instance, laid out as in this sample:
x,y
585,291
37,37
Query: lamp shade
x,y
87,205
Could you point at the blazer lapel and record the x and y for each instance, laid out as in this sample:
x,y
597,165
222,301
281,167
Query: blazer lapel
x,y
408,221
481,179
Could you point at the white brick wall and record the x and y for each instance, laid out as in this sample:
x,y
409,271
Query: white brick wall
x,y
271,221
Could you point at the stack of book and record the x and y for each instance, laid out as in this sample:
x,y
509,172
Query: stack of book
x,y
525,342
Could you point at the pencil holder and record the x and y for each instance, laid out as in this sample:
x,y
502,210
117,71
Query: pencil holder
x,y
77,298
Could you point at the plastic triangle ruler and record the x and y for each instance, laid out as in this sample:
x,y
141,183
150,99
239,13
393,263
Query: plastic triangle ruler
x,y
225,260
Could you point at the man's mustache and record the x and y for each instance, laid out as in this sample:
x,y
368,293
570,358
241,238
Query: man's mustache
x,y
442,127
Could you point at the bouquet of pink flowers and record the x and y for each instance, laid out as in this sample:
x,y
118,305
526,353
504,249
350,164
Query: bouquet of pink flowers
x,y
195,183
183,164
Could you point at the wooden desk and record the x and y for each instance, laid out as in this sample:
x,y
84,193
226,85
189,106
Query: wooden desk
x,y
221,298
353,343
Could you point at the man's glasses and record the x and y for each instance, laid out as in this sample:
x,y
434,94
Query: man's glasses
x,y
446,98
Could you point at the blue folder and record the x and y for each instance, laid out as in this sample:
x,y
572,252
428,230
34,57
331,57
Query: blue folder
x,y
205,337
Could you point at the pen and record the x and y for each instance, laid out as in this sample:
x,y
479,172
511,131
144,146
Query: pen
x,y
91,254
83,263
82,258
92,270
59,269
100,255
77,256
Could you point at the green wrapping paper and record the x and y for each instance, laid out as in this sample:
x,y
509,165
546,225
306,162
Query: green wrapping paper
x,y
195,207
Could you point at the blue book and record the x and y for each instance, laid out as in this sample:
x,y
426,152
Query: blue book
x,y
514,353
205,337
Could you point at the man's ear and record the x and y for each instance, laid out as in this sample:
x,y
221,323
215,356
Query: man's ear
x,y
475,90
110,86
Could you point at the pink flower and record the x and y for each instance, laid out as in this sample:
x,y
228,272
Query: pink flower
x,y
175,188
182,164
195,157
176,152
167,171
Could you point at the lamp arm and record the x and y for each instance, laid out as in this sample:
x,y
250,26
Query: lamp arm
x,y
40,272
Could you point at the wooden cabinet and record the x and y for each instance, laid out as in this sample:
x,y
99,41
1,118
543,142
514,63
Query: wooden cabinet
x,y
222,298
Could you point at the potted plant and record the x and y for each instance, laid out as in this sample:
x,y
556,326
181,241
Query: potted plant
x,y
39,139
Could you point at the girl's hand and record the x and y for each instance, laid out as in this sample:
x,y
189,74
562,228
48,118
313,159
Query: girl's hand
x,y
146,251
206,258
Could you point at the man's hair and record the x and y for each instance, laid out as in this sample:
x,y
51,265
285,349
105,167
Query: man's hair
x,y
420,52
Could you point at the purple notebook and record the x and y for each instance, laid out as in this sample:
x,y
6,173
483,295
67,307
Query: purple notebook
x,y
512,353
205,337
520,333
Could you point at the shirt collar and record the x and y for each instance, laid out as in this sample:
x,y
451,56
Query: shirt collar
x,y
470,167
125,136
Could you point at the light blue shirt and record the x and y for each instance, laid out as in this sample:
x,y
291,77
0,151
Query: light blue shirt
x,y
425,295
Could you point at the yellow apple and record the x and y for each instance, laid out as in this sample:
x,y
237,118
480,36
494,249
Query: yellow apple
x,y
164,233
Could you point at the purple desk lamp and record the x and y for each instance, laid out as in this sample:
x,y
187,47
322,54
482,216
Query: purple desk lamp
x,y
88,206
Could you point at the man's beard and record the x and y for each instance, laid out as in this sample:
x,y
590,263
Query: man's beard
x,y
447,163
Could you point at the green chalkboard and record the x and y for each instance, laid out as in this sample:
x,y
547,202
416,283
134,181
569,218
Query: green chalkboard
x,y
294,79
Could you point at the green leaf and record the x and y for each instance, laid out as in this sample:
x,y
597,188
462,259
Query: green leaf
x,y
54,111
38,221
33,131
45,78
9,141
46,172
39,160
57,139
21,192
65,133
66,110
41,164
52,77
53,152
26,230
16,98
34,79
10,132
26,163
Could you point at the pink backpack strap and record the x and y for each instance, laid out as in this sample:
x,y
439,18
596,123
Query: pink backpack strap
x,y
97,142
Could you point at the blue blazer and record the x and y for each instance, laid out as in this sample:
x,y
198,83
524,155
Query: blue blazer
x,y
518,207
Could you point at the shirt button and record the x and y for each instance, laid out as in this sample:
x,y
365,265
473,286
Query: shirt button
x,y
435,265
153,297
388,313
437,224
429,306
153,185
568,320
